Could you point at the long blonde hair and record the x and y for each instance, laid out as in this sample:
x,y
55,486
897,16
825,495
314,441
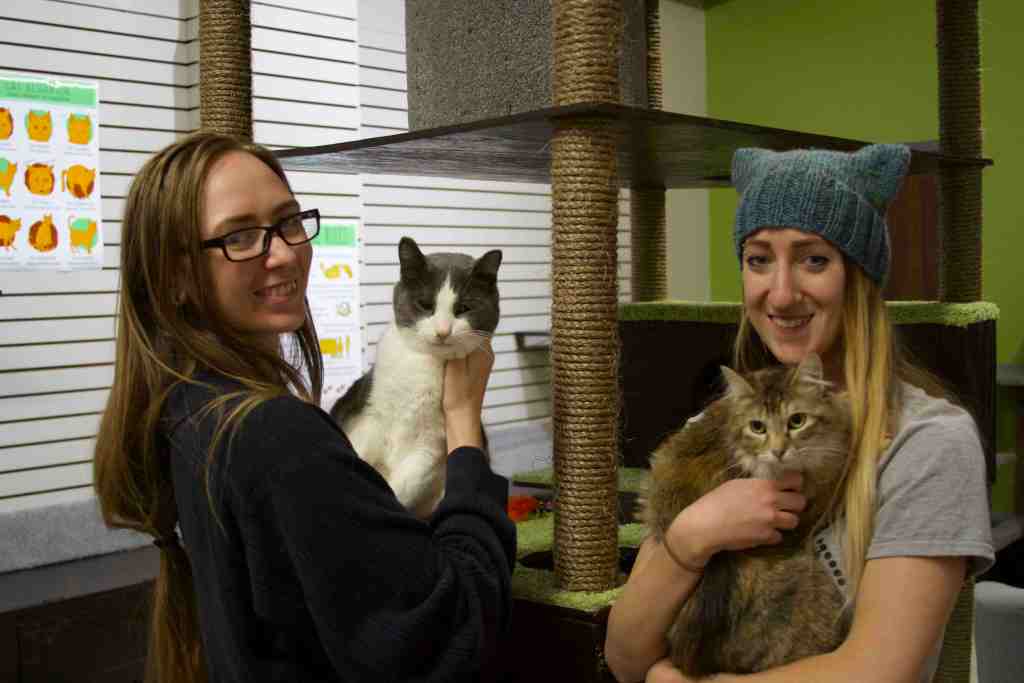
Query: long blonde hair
x,y
873,365
168,330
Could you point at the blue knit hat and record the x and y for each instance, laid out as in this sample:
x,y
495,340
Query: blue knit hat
x,y
841,196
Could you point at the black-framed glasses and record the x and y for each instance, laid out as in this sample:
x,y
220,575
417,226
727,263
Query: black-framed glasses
x,y
250,243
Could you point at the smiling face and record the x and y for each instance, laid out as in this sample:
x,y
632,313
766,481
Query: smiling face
x,y
794,284
265,296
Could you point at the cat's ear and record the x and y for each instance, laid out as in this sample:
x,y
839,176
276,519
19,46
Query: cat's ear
x,y
810,371
737,385
413,262
487,265
810,368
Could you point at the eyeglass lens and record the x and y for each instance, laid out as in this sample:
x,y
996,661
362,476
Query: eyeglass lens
x,y
255,241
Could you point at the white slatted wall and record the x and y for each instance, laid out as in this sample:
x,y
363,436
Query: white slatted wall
x,y
57,329
324,71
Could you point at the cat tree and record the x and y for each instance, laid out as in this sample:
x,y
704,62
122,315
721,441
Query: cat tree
x,y
587,146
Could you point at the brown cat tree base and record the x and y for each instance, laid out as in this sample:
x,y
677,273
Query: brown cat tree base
x,y
562,631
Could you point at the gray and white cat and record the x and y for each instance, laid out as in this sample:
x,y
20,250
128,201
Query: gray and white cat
x,y
446,306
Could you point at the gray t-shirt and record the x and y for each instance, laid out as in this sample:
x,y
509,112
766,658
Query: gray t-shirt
x,y
932,494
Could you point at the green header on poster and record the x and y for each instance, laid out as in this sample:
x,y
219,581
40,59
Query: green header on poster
x,y
49,92
336,235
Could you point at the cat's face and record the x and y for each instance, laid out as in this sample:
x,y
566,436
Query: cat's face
x,y
79,129
6,123
785,419
40,126
39,179
449,302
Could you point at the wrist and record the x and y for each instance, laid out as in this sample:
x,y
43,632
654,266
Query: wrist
x,y
690,565
463,433
686,545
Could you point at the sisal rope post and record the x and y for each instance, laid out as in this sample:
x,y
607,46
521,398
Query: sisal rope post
x,y
648,239
584,308
958,641
225,67
648,244
959,58
652,23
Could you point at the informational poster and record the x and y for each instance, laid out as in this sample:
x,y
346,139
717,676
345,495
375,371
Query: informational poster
x,y
50,209
333,295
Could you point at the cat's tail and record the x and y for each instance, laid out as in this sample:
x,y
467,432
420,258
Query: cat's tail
x,y
706,620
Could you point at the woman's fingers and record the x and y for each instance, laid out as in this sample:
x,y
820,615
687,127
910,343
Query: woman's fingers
x,y
791,480
786,520
793,502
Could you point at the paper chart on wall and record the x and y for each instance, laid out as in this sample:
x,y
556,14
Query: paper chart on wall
x,y
50,207
333,294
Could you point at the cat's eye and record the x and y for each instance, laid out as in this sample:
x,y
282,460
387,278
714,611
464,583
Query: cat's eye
x,y
461,309
797,420
425,304
758,427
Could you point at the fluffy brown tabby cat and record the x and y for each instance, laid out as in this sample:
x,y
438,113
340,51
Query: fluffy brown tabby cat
x,y
759,608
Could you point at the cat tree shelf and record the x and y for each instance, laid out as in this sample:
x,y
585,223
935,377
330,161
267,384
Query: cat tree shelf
x,y
655,148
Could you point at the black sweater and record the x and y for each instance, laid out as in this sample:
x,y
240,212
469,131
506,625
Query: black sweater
x,y
307,568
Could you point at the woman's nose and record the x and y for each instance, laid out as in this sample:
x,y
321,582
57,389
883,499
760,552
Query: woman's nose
x,y
279,251
784,288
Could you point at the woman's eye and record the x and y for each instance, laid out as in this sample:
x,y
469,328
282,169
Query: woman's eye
x,y
755,261
243,238
797,420
293,227
757,427
818,262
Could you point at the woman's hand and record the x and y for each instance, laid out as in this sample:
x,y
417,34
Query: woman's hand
x,y
664,672
465,381
739,514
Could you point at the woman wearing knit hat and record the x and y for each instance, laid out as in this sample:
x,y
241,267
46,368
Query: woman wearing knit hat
x,y
913,520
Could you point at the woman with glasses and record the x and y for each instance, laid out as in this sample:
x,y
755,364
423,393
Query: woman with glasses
x,y
295,561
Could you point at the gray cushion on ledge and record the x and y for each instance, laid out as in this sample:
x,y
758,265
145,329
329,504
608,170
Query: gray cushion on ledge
x,y
38,534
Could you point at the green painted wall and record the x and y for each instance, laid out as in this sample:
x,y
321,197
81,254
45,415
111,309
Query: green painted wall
x,y
867,70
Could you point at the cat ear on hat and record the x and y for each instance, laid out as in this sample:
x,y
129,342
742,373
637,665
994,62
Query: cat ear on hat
x,y
744,165
884,167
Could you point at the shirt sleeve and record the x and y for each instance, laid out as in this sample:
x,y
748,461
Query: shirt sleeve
x,y
933,495
393,598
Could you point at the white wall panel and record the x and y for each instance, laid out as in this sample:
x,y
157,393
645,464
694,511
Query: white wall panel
x,y
57,328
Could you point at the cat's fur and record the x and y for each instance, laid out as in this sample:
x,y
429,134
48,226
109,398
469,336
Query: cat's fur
x,y
392,414
759,608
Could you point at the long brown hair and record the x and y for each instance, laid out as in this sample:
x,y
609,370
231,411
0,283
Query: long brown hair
x,y
167,330
874,364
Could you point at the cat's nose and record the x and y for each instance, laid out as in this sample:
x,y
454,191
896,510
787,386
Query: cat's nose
x,y
778,453
443,331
